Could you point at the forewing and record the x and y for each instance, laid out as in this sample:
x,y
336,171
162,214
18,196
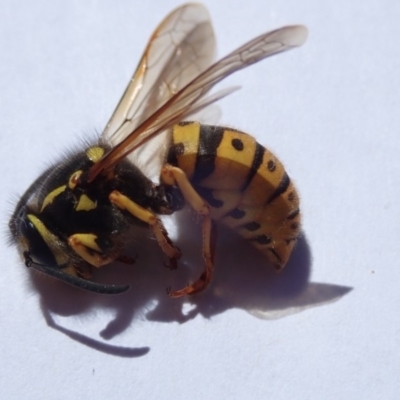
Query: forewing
x,y
191,98
181,47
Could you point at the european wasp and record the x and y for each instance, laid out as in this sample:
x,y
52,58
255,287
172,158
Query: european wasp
x,y
78,213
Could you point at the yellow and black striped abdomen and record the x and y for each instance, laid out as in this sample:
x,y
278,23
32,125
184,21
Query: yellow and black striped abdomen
x,y
244,183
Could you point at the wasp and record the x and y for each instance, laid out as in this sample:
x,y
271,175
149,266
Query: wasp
x,y
78,214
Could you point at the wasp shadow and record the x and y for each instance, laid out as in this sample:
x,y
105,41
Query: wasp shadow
x,y
148,279
243,280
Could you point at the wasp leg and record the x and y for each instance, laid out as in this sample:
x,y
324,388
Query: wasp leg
x,y
161,234
175,176
84,244
209,239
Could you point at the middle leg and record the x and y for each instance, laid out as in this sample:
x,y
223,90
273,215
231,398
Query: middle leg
x,y
125,203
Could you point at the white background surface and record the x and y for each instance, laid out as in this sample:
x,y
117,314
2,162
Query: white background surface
x,y
330,110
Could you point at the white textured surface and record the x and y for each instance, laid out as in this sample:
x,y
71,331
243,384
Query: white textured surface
x,y
330,110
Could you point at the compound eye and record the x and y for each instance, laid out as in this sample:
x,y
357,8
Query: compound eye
x,y
38,248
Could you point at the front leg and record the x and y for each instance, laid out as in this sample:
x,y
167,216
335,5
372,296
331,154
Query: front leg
x,y
84,244
125,203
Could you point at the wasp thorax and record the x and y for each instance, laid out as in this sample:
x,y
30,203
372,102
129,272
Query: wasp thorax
x,y
79,213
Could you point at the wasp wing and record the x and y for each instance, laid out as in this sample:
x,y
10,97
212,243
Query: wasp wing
x,y
191,98
180,48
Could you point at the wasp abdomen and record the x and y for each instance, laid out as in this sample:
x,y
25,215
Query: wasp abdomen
x,y
244,183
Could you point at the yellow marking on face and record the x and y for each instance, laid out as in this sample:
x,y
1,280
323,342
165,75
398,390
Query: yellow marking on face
x,y
85,204
188,135
95,153
51,196
51,240
74,178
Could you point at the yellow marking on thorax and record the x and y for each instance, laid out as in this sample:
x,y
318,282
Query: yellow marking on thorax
x,y
232,166
95,153
85,204
51,196
189,136
51,240
74,178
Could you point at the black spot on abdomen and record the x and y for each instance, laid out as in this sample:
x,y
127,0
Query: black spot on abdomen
x,y
236,213
252,226
237,144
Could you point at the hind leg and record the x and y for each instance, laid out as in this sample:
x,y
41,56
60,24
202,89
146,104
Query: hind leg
x,y
175,176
